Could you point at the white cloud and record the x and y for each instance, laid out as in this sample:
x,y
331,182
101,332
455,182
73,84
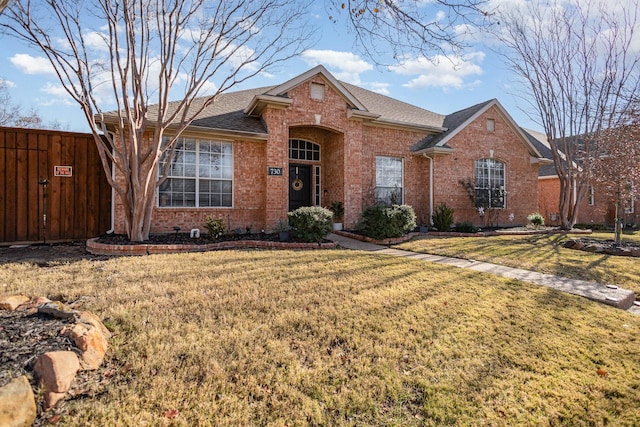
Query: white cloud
x,y
32,64
441,71
345,66
56,95
95,40
7,83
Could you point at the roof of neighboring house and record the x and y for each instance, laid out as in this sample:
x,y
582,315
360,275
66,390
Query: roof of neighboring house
x,y
540,141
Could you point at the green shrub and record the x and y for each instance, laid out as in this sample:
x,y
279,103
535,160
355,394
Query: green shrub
x,y
312,223
466,227
384,221
536,219
442,217
214,226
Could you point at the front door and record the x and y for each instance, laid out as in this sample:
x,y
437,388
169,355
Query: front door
x,y
299,186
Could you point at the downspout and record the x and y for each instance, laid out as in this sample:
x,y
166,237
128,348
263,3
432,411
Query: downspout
x,y
430,188
113,199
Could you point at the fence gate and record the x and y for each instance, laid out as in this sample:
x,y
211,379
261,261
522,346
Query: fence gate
x,y
78,197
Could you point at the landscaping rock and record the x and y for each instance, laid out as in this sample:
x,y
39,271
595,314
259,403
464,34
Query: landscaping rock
x,y
56,370
12,302
17,404
32,305
569,244
89,319
91,341
57,309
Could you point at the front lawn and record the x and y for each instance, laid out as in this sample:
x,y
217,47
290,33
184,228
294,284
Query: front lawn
x,y
340,338
540,252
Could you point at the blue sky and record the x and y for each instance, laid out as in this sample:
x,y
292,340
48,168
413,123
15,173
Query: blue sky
x,y
437,86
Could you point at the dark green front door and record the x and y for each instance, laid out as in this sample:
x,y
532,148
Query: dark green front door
x,y
299,186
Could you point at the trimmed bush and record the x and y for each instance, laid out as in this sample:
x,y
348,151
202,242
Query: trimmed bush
x,y
442,217
384,221
214,226
536,219
311,223
466,227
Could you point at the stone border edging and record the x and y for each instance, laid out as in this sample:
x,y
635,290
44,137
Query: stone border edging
x,y
97,248
53,370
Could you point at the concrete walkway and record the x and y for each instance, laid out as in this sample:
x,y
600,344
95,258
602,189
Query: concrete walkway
x,y
610,295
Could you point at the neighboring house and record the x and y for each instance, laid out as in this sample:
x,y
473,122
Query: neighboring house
x,y
596,208
256,154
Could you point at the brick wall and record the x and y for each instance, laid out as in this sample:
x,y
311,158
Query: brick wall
x,y
476,142
601,212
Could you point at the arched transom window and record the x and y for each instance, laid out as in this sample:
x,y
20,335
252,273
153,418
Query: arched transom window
x,y
299,149
490,184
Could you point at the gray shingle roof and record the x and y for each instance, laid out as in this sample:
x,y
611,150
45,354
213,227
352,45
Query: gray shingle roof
x,y
393,110
452,122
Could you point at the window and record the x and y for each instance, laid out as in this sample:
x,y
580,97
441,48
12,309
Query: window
x,y
489,185
491,125
592,196
200,175
317,91
303,150
389,176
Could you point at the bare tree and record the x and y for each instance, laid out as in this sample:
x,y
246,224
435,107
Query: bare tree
x,y
408,27
617,167
3,4
142,50
11,114
579,63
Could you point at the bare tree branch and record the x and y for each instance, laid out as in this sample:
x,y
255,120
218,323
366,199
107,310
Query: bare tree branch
x,y
404,28
578,63
144,50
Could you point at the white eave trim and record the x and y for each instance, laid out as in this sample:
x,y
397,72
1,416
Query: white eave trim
x,y
207,132
434,151
540,161
260,102
548,177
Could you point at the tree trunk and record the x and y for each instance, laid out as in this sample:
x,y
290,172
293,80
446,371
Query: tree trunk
x,y
617,240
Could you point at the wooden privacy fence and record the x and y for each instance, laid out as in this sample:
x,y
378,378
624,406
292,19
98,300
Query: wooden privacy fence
x,y
78,197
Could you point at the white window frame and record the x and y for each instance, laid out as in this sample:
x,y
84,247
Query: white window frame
x,y
494,190
383,193
199,178
591,195
317,174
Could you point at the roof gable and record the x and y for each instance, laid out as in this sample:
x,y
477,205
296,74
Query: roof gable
x,y
281,90
457,121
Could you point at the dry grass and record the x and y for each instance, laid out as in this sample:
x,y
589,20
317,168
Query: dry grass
x,y
341,338
543,253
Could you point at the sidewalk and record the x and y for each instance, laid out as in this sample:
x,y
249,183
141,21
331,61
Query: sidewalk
x,y
613,296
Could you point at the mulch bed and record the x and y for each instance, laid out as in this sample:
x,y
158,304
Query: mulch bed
x,y
186,239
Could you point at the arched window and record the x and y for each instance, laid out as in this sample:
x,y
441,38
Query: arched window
x,y
490,184
300,149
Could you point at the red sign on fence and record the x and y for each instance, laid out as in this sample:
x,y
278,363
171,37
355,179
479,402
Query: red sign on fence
x,y
62,171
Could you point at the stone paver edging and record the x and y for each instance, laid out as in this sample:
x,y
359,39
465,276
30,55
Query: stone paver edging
x,y
97,248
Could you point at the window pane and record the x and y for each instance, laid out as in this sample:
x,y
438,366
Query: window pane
x,y
490,184
389,180
205,162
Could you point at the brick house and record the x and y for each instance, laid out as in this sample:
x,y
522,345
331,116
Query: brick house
x,y
256,154
596,208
